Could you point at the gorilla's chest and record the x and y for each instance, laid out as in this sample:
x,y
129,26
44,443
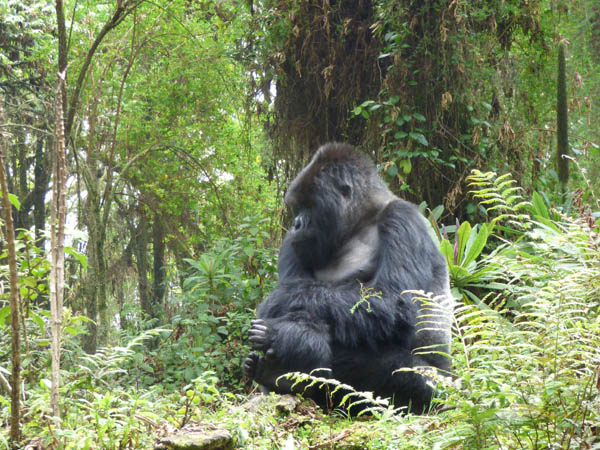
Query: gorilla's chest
x,y
356,259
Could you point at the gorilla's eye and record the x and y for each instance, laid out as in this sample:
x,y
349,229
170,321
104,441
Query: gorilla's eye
x,y
345,189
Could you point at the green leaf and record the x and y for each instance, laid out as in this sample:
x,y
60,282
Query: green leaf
x,y
419,138
463,234
437,212
4,313
459,273
447,250
73,331
78,256
548,223
392,170
539,206
476,246
14,200
419,117
406,166
38,320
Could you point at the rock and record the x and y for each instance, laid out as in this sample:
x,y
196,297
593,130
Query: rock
x,y
287,404
196,440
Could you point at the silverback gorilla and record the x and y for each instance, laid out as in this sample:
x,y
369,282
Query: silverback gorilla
x,y
352,243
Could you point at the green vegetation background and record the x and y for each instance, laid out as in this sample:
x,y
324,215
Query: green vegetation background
x,y
192,118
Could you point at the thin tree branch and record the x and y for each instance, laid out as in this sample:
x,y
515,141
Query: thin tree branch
x,y
15,419
120,13
5,384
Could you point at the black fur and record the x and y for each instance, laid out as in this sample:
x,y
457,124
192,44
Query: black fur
x,y
352,234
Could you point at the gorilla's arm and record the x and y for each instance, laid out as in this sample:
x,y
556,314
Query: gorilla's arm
x,y
304,325
411,261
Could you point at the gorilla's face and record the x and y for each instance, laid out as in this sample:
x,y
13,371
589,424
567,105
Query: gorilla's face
x,y
326,205
318,228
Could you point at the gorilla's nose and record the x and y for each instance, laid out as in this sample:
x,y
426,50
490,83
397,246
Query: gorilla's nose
x,y
301,221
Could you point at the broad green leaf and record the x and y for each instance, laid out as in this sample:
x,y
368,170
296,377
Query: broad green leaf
x,y
475,247
79,256
447,250
406,166
539,206
14,200
38,320
459,273
73,331
463,234
4,313
419,138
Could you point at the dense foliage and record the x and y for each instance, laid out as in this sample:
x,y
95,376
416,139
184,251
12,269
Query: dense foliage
x,y
187,119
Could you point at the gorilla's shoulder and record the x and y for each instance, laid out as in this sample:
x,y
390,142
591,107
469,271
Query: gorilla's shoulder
x,y
403,230
401,213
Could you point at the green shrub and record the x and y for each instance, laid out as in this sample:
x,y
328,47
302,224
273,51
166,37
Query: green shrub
x,y
211,316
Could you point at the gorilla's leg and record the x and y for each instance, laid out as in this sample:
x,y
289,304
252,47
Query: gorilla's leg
x,y
378,373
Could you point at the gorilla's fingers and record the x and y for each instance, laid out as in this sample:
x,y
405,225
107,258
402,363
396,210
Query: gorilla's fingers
x,y
259,337
258,333
250,364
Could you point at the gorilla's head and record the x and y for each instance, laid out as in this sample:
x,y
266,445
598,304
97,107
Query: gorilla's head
x,y
333,197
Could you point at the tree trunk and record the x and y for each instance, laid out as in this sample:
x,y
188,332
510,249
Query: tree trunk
x,y
140,248
562,122
159,285
40,187
95,291
15,415
57,237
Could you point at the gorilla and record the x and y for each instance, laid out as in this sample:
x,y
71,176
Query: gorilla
x,y
345,302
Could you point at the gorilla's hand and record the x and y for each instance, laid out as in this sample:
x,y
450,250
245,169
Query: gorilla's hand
x,y
250,364
259,335
256,366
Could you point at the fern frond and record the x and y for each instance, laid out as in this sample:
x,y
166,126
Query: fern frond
x,y
498,194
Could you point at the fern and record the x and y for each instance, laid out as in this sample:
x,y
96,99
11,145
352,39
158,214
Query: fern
x,y
499,196
351,399
527,358
108,362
